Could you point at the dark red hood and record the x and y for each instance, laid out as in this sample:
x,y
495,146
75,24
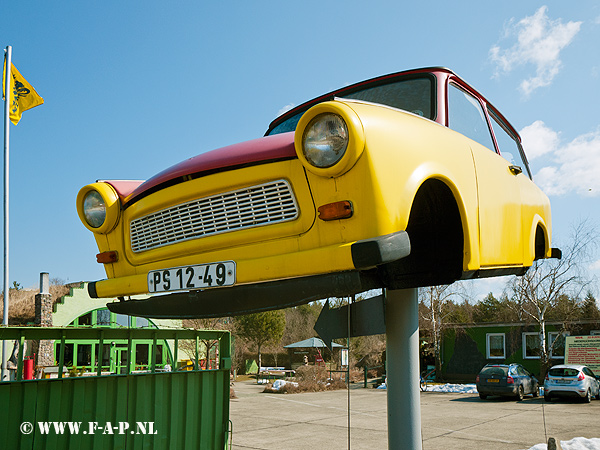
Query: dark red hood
x,y
257,151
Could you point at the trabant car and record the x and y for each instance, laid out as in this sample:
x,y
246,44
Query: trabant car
x,y
405,180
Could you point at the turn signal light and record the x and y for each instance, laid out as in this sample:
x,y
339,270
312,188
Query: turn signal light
x,y
510,380
107,257
336,210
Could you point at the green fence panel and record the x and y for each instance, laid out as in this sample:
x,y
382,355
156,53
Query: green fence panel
x,y
170,410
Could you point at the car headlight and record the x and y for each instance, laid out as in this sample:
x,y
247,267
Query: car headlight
x,y
325,140
99,207
94,209
329,138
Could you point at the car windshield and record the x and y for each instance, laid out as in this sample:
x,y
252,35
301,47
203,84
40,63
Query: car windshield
x,y
563,372
487,371
409,94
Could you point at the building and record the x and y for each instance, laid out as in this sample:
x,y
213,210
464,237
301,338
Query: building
x,y
466,348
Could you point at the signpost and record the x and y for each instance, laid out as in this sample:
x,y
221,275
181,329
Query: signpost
x,y
367,317
583,350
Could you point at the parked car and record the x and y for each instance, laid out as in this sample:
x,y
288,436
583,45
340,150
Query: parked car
x,y
511,380
405,180
570,380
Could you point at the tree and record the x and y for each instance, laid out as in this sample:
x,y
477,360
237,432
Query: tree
x,y
300,322
589,308
552,285
491,309
206,347
436,306
261,329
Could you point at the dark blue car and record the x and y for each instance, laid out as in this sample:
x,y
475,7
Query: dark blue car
x,y
511,380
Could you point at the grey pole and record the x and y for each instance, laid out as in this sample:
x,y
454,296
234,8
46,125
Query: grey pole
x,y
402,361
7,97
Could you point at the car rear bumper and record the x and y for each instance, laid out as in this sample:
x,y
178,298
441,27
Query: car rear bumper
x,y
565,392
498,390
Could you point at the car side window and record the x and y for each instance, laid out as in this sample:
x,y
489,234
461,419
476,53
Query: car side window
x,y
509,147
466,116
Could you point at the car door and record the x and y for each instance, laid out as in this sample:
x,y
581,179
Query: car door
x,y
499,197
593,380
531,384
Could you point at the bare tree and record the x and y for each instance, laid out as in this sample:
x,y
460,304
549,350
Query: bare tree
x,y
436,306
206,346
548,283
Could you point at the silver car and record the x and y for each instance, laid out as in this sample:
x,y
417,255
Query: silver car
x,y
571,380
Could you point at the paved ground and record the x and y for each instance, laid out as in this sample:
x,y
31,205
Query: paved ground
x,y
319,421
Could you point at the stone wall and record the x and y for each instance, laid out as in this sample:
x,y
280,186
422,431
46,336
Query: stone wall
x,y
43,318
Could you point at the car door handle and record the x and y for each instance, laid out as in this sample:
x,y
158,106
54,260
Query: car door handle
x,y
516,170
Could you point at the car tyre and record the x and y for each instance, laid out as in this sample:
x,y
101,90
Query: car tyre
x,y
536,391
588,396
482,396
547,398
520,393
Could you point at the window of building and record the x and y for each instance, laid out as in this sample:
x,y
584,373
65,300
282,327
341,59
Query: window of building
x,y
103,318
557,350
84,354
85,320
531,345
495,346
595,333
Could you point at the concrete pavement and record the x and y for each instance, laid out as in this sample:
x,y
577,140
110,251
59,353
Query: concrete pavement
x,y
319,420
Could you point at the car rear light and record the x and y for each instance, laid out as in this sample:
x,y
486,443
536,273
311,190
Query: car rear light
x,y
547,377
580,377
477,379
510,380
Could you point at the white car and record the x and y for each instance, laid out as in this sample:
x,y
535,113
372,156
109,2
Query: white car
x,y
571,380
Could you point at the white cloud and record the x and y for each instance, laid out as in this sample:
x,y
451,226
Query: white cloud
x,y
573,167
538,139
539,42
595,265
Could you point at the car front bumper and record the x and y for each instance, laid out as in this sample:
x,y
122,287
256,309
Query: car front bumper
x,y
341,265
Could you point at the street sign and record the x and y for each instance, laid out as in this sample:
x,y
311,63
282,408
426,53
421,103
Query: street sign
x,y
367,317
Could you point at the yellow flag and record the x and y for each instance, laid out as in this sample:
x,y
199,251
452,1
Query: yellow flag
x,y
22,95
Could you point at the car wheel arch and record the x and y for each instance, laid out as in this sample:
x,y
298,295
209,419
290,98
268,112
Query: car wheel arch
x,y
539,241
437,212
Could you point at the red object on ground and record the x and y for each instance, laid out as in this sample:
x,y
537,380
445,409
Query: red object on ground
x,y
28,369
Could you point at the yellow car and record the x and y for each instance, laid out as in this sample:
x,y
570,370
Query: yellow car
x,y
409,179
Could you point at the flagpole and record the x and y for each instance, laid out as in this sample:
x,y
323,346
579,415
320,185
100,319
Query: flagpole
x,y
7,98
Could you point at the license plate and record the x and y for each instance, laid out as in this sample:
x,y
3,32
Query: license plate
x,y
492,380
192,277
563,381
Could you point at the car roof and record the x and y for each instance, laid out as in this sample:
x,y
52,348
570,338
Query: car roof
x,y
568,366
338,92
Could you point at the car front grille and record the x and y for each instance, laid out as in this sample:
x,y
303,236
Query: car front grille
x,y
254,206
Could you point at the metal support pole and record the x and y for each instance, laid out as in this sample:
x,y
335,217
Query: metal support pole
x,y
8,97
402,357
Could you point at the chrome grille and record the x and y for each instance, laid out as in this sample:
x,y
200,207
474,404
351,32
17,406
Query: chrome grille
x,y
254,206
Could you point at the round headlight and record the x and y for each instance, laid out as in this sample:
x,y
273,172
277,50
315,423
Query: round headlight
x,y
325,140
94,209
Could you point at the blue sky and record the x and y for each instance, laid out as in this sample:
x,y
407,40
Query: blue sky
x,y
131,88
